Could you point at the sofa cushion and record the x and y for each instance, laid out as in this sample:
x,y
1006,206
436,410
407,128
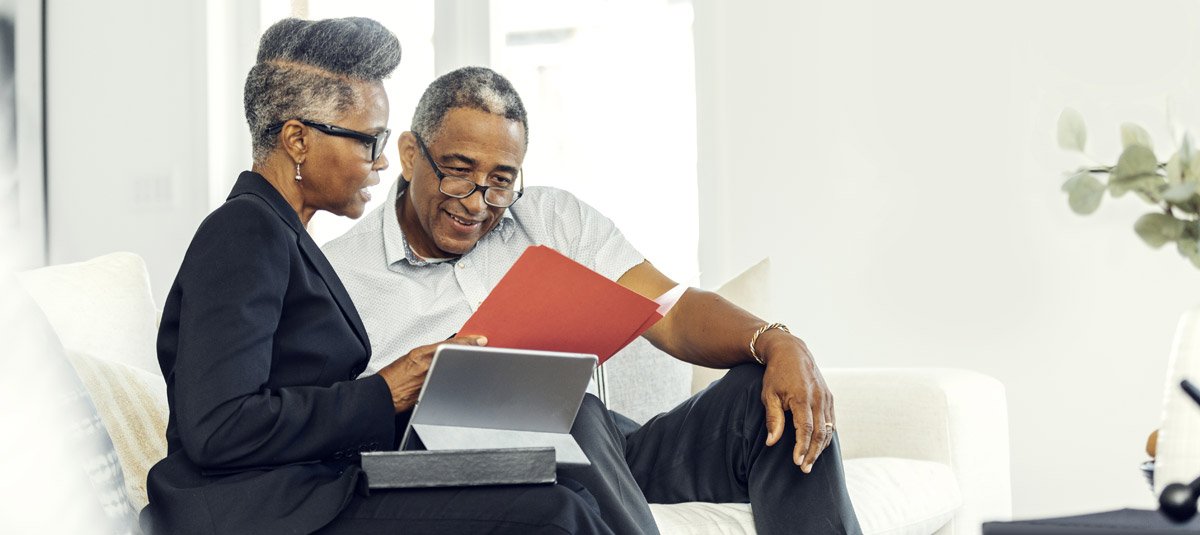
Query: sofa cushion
x,y
133,405
61,472
891,497
102,307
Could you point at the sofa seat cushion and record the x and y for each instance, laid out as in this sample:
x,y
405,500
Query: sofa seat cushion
x,y
891,497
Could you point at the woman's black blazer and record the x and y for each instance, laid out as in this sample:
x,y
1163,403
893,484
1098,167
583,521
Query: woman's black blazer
x,y
260,347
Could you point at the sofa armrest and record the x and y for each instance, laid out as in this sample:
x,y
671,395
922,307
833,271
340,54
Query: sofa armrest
x,y
951,416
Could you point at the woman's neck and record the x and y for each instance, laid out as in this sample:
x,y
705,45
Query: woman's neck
x,y
291,189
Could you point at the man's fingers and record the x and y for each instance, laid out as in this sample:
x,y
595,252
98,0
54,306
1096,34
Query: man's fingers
x,y
819,437
802,418
774,419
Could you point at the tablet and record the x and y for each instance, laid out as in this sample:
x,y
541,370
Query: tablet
x,y
485,397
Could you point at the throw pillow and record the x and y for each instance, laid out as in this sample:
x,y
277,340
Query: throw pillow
x,y
102,307
133,405
61,473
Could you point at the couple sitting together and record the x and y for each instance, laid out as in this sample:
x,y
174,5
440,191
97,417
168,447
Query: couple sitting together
x,y
265,337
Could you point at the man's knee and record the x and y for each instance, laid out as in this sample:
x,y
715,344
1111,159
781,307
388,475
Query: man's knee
x,y
744,381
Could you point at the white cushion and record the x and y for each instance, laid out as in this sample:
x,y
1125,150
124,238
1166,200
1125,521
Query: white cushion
x,y
132,403
898,496
102,307
890,496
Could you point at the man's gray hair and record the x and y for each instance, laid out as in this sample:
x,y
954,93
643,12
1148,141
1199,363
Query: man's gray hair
x,y
309,70
477,88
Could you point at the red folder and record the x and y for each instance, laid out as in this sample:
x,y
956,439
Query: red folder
x,y
549,302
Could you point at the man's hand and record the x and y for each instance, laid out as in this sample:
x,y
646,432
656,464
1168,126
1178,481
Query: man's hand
x,y
793,383
405,375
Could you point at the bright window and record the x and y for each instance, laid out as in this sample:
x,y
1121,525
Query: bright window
x,y
610,90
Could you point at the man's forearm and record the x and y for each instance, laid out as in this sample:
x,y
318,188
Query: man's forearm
x,y
703,328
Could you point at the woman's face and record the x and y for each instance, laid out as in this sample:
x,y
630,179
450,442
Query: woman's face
x,y
338,170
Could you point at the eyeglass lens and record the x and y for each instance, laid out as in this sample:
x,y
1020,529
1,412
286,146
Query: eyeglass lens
x,y
459,187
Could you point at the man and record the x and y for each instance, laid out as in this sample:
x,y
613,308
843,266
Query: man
x,y
418,266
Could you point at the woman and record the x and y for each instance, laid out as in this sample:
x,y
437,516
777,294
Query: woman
x,y
261,346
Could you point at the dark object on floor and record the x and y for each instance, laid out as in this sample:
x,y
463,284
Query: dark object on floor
x,y
1122,521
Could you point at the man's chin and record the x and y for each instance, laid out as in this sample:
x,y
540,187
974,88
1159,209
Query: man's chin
x,y
456,247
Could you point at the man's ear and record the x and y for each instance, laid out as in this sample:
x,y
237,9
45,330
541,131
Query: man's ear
x,y
409,152
294,139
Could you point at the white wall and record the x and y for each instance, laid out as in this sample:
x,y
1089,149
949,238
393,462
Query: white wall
x,y
130,148
897,160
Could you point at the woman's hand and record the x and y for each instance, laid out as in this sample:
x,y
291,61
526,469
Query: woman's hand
x,y
406,375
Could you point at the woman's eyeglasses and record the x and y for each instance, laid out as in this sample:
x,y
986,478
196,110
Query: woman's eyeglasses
x,y
376,142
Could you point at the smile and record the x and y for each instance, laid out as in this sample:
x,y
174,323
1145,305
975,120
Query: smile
x,y
463,222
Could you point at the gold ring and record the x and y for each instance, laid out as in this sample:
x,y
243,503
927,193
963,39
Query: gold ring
x,y
829,425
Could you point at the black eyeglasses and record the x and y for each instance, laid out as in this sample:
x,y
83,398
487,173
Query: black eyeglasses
x,y
376,142
461,187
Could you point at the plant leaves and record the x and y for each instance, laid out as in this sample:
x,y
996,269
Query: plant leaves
x,y
1134,161
1156,229
1180,193
1183,165
1072,134
1189,249
1137,168
1084,193
1132,134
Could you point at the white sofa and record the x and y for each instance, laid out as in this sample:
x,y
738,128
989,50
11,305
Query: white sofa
x,y
926,450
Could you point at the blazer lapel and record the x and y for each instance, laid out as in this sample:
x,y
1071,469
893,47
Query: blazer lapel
x,y
254,184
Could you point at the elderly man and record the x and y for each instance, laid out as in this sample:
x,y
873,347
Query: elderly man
x,y
458,218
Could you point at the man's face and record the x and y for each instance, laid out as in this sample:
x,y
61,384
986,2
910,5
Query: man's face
x,y
484,146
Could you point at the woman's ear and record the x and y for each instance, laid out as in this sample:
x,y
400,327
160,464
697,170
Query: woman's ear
x,y
294,139
407,146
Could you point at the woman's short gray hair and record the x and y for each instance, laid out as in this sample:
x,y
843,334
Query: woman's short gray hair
x,y
308,70
477,88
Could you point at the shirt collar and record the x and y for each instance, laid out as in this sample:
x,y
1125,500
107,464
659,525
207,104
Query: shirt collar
x,y
395,245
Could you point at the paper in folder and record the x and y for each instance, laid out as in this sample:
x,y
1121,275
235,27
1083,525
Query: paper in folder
x,y
549,302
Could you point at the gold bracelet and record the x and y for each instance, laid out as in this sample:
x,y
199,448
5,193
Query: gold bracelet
x,y
763,329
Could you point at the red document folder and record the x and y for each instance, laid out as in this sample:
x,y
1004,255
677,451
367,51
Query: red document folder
x,y
549,302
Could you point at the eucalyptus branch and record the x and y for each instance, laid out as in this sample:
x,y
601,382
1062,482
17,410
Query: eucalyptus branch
x,y
1172,186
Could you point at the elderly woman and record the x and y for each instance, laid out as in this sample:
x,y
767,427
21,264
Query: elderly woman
x,y
261,346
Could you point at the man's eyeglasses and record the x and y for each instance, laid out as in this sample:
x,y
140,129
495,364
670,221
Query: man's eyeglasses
x,y
376,142
461,187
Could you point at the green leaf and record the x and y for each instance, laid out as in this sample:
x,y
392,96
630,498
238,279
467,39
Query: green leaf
x,y
1132,134
1135,160
1156,229
1183,164
1188,248
1180,193
1137,169
1072,134
1084,193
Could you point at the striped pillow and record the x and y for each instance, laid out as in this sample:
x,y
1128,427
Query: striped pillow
x,y
133,405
